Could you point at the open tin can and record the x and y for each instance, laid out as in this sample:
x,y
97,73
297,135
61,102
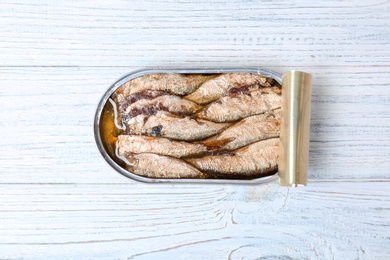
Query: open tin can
x,y
294,127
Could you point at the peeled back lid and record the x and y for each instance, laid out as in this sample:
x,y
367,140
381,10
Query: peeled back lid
x,y
295,129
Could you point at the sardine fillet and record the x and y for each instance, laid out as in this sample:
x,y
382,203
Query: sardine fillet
x,y
174,83
160,166
168,125
218,87
247,131
254,160
128,144
235,107
125,101
196,80
169,103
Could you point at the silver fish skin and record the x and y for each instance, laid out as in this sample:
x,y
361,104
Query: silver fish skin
x,y
168,125
172,82
248,130
159,166
171,103
220,86
129,144
254,160
235,107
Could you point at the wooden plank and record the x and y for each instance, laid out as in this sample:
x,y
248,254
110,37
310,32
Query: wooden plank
x,y
59,199
147,33
339,220
47,121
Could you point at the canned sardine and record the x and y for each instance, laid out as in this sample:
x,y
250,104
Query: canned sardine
x,y
196,125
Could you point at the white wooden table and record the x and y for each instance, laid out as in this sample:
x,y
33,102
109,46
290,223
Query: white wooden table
x,y
59,199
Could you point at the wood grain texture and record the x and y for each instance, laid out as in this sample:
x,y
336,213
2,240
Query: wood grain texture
x,y
203,222
202,33
58,197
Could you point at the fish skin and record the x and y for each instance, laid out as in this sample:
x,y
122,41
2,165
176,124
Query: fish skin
x,y
124,101
234,107
254,160
218,87
277,112
172,103
160,166
248,130
128,144
168,125
196,80
174,83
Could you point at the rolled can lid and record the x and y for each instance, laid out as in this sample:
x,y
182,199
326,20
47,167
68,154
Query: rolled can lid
x,y
295,129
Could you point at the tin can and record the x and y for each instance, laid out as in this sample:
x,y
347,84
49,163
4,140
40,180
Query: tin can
x,y
295,121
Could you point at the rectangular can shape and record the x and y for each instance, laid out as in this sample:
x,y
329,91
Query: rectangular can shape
x,y
105,99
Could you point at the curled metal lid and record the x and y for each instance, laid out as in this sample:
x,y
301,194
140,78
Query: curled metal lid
x,y
295,129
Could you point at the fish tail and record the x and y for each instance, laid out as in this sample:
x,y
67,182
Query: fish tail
x,y
215,144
